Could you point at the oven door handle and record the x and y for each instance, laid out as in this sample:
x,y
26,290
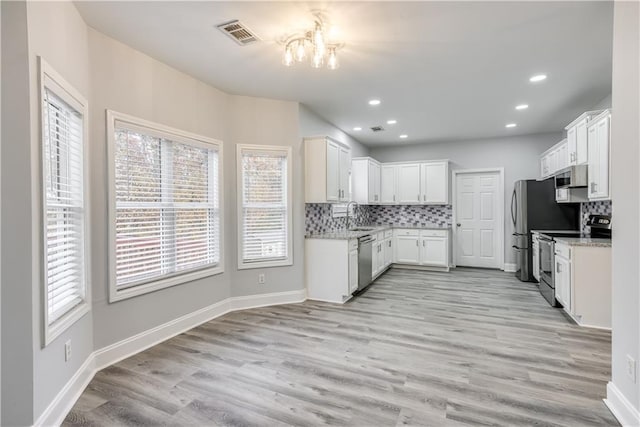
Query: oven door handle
x,y
517,248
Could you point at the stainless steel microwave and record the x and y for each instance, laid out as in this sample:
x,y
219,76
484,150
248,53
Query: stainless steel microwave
x,y
572,177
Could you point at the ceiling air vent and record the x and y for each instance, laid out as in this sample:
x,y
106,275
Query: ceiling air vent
x,y
238,32
377,128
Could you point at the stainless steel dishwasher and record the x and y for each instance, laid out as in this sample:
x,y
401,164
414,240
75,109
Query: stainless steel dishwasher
x,y
365,244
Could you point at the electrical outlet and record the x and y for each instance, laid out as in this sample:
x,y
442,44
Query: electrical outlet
x,y
631,368
261,279
67,351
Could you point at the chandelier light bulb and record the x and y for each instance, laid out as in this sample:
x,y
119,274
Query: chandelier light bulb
x,y
300,51
332,62
317,61
287,60
318,40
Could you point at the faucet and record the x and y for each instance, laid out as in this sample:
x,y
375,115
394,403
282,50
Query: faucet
x,y
348,206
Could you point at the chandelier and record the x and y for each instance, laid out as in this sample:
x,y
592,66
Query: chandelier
x,y
311,44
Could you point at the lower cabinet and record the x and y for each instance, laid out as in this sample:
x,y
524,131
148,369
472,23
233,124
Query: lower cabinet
x,y
331,269
382,252
422,247
583,283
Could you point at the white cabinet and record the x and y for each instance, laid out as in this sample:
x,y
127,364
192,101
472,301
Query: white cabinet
x,y
408,184
327,168
554,159
331,269
365,179
388,183
577,146
598,138
422,247
434,183
388,251
583,283
415,183
535,248
563,280
434,251
381,252
407,246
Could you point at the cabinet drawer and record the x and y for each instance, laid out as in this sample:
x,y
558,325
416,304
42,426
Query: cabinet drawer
x,y
407,232
353,244
388,233
434,233
563,250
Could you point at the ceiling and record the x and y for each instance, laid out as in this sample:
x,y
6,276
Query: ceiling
x,y
444,70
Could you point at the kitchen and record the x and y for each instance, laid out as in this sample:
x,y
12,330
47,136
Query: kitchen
x,y
387,274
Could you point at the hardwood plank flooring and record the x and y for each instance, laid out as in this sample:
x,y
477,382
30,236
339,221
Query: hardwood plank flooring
x,y
470,347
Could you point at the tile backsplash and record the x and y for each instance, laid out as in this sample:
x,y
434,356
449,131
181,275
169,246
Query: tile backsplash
x,y
318,217
593,208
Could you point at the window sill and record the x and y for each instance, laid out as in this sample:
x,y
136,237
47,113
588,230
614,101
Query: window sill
x,y
119,295
265,264
51,332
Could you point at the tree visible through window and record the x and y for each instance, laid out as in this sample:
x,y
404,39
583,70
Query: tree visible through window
x,y
167,217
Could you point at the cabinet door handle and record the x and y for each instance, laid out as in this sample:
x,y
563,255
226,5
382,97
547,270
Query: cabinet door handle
x,y
558,268
417,243
424,197
423,243
418,197
394,197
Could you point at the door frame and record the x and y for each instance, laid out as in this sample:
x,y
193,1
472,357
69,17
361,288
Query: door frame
x,y
500,172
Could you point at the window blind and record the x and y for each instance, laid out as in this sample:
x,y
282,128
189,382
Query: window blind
x,y
264,206
64,205
167,209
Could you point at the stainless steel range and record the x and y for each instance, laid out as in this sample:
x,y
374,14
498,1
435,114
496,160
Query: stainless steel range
x,y
600,226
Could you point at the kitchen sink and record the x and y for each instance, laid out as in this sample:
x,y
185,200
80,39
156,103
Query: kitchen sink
x,y
362,228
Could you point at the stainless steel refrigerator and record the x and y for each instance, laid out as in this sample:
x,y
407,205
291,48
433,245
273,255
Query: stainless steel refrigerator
x,y
534,207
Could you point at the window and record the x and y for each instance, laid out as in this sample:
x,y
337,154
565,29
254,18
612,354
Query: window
x,y
264,204
65,236
165,206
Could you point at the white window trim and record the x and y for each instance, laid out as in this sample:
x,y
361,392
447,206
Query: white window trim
x,y
177,135
288,261
53,81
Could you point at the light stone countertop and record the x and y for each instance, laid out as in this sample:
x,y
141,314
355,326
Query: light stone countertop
x,y
584,241
351,234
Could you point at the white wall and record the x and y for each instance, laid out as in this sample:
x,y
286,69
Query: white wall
x,y
313,125
518,155
625,190
17,331
113,76
70,58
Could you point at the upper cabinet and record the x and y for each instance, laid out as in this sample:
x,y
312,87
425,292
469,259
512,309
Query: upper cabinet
x,y
401,183
598,142
365,180
327,167
554,159
577,138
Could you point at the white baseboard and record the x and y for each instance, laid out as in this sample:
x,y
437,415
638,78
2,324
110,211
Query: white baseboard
x,y
510,268
67,397
620,407
63,402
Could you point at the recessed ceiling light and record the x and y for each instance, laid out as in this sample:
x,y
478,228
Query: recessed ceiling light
x,y
538,78
510,125
374,102
357,128
404,136
522,107
392,122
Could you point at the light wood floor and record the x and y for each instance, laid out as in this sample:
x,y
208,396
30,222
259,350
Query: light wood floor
x,y
470,347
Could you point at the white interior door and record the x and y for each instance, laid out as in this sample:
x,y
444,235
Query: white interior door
x,y
477,213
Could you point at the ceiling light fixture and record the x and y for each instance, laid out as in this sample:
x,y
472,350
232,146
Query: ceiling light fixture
x,y
538,78
392,122
522,107
374,102
312,44
404,136
510,125
357,128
